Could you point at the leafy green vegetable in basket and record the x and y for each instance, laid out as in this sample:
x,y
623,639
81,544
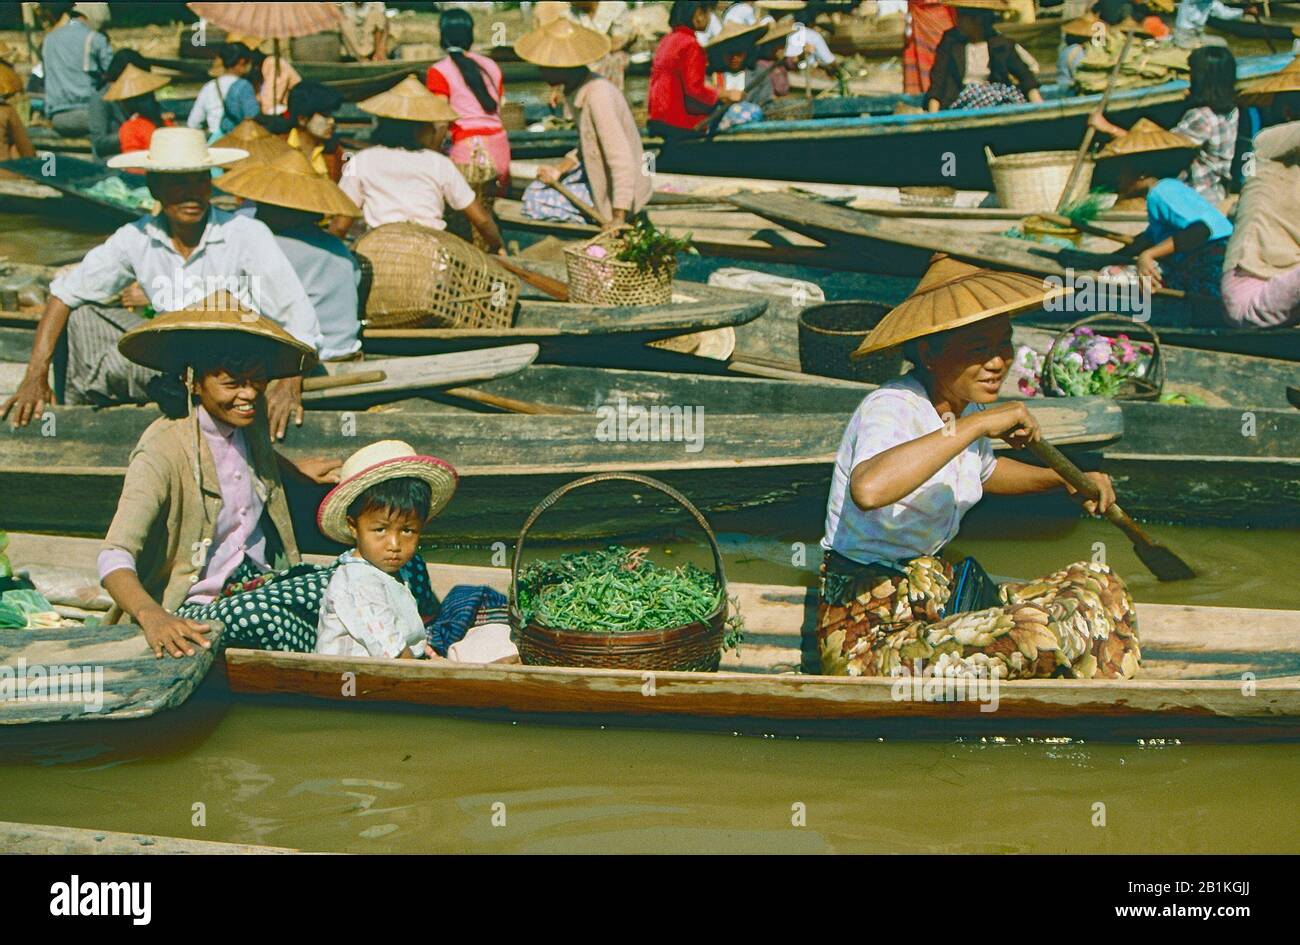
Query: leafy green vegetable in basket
x,y
6,570
1086,209
618,591
22,608
650,248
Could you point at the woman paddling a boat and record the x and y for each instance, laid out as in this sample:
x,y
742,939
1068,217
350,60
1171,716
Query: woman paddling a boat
x,y
607,168
915,457
727,54
976,66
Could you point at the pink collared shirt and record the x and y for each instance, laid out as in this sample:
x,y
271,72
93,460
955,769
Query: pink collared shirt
x,y
238,531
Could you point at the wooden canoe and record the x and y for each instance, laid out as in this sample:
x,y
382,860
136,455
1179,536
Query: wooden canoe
x,y
90,672
1190,683
732,465
1249,27
70,176
879,44
906,149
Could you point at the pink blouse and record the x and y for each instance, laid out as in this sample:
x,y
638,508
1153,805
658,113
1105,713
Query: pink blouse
x,y
444,78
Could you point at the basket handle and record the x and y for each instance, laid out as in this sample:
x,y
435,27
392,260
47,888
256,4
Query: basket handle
x,y
1157,376
568,487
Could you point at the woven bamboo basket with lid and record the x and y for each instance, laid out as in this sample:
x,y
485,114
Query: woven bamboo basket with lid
x,y
695,647
830,332
604,280
426,278
1035,181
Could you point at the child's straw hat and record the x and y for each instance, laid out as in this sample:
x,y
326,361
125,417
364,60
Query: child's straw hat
x,y
375,463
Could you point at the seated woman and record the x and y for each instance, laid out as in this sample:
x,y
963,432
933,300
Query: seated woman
x,y
977,67
607,170
311,112
404,176
915,457
104,118
203,521
768,61
679,98
379,602
1210,121
14,141
133,90
1186,237
727,54
475,87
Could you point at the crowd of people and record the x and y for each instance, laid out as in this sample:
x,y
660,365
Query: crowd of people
x,y
219,315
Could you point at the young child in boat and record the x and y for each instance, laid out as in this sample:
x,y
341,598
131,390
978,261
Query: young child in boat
x,y
379,603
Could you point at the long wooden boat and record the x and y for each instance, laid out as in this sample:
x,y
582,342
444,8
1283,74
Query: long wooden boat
x,y
1190,683
880,44
890,149
728,453
71,176
1247,27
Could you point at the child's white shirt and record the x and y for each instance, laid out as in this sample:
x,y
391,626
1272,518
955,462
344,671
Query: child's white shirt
x,y
366,612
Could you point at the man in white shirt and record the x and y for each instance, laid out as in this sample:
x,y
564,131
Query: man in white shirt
x,y
162,262
1193,15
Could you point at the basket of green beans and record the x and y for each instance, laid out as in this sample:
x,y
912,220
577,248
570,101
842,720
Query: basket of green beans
x,y
614,609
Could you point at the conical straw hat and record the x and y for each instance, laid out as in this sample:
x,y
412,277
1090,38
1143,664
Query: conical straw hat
x,y
737,34
1288,80
782,5
287,180
562,44
132,82
952,294
409,100
778,29
173,341
376,463
178,151
244,132
263,150
9,81
1144,137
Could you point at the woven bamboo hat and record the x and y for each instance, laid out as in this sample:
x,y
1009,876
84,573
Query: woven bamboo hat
x,y
132,82
952,294
10,83
778,29
562,44
178,151
376,463
737,34
286,179
409,100
171,342
1288,80
244,132
1143,138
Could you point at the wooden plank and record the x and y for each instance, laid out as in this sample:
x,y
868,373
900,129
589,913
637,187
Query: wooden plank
x,y
403,375
45,839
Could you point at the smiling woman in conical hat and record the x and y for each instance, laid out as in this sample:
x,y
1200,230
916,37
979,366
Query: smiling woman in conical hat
x,y
203,513
606,170
915,457
404,177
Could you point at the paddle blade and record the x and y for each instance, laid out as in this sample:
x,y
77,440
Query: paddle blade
x,y
1162,562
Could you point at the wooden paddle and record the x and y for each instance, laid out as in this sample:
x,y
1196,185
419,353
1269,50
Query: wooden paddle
x,y
708,125
509,404
553,287
1091,132
1162,562
330,381
586,209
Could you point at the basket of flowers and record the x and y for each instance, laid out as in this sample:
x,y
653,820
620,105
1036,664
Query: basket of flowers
x,y
634,265
616,609
1085,362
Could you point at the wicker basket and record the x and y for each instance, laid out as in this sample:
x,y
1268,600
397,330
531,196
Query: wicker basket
x,y
1035,181
609,281
425,278
1133,388
481,174
829,333
927,196
512,116
790,108
318,47
694,647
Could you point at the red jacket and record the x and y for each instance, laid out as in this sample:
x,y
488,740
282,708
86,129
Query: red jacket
x,y
679,95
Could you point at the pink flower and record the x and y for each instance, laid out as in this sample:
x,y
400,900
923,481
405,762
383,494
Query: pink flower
x,y
1027,387
1110,368
1084,330
597,252
1145,349
1096,354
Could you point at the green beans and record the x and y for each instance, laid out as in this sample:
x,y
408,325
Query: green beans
x,y
615,591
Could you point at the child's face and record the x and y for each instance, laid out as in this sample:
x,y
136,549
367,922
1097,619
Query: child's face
x,y
387,538
231,399
735,61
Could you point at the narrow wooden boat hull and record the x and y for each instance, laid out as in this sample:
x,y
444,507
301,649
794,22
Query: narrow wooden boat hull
x,y
1248,27
888,43
68,175
770,685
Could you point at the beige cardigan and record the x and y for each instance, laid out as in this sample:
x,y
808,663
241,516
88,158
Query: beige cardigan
x,y
1265,239
610,146
165,515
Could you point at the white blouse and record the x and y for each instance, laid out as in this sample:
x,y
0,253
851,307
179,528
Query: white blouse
x,y
366,612
924,521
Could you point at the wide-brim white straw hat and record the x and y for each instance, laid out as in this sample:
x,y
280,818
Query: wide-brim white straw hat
x,y
178,151
375,463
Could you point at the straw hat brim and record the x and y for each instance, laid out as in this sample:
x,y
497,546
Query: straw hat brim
x,y
216,157
409,100
581,47
133,82
243,134
171,342
263,182
980,295
1288,80
10,83
739,36
332,516
775,31
783,5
